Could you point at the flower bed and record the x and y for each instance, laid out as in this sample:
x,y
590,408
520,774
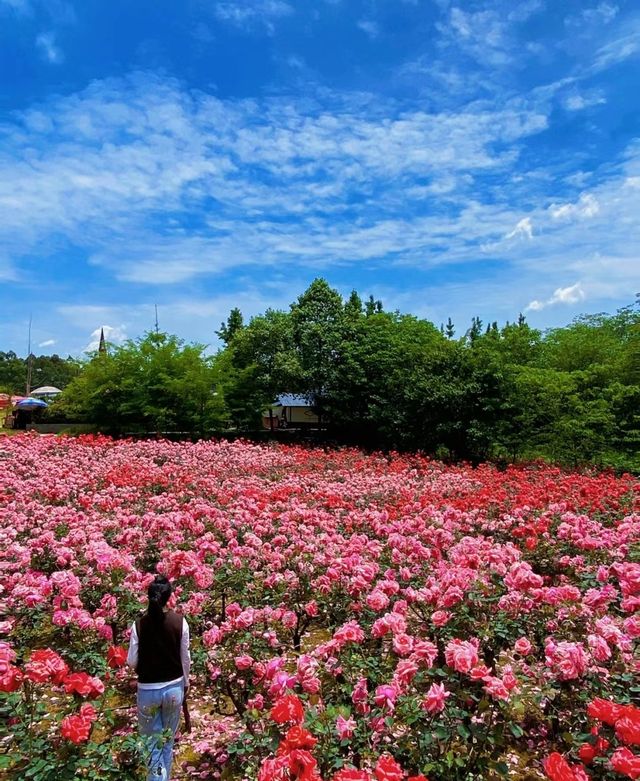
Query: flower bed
x,y
353,617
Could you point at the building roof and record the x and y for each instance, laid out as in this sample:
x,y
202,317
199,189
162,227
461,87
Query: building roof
x,y
293,400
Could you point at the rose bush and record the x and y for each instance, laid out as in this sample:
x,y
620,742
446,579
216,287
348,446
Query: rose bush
x,y
353,617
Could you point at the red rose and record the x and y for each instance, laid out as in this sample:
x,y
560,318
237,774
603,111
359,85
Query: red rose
x,y
303,765
84,685
45,666
628,725
88,712
75,728
387,769
558,769
625,761
288,709
603,710
116,656
274,770
351,774
587,753
297,737
10,680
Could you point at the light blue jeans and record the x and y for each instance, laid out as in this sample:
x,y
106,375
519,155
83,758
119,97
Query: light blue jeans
x,y
158,717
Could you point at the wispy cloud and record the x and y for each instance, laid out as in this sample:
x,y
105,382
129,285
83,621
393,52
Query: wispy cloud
x,y
487,35
586,207
524,229
22,6
602,13
113,156
251,14
577,101
370,27
50,51
112,333
623,45
47,343
562,295
160,186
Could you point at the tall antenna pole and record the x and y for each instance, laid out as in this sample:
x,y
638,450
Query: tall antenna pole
x,y
29,362
157,318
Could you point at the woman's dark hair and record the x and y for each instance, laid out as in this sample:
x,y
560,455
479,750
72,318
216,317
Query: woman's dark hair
x,y
159,593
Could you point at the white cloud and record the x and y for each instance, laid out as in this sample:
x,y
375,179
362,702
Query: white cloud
x,y
488,35
619,49
159,186
523,229
578,102
370,27
603,13
586,207
47,343
562,295
251,13
22,6
115,334
46,43
100,167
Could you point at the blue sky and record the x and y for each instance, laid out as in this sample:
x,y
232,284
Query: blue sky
x,y
451,158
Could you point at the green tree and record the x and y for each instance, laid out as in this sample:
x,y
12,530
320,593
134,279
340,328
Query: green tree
x,y
317,323
234,324
449,329
260,363
155,383
45,370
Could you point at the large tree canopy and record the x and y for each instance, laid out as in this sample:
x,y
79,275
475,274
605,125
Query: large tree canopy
x,y
155,383
384,379
378,379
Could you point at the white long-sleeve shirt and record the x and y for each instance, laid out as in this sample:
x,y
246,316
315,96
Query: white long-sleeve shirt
x,y
185,658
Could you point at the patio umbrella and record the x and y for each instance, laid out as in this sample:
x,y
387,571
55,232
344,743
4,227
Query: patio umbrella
x,y
31,404
45,391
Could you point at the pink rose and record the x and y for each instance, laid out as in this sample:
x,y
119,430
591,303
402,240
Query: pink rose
x,y
360,696
311,608
385,697
243,662
402,644
377,600
425,652
289,619
523,646
345,727
440,617
462,655
434,702
496,688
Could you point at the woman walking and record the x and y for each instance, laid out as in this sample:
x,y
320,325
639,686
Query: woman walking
x,y
159,653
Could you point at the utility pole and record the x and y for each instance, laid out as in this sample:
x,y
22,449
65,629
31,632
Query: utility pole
x,y
156,318
29,361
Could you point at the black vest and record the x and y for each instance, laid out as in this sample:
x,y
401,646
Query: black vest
x,y
159,648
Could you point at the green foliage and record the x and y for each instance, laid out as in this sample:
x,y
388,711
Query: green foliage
x,y
377,379
155,383
235,323
45,370
383,379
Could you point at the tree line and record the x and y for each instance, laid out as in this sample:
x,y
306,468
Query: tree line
x,y
45,370
382,379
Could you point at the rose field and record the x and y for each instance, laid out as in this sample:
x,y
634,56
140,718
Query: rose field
x,y
353,617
